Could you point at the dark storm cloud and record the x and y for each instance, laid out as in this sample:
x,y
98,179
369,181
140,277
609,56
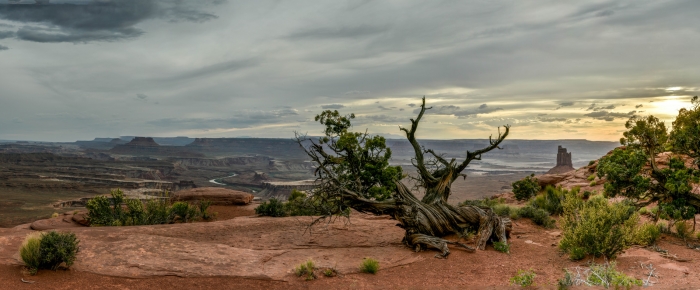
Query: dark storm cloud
x,y
333,106
97,20
6,34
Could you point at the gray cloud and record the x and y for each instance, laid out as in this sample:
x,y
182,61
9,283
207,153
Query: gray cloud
x,y
638,106
98,20
141,96
593,107
333,106
6,34
2,47
552,119
384,108
242,119
338,32
381,119
461,113
609,116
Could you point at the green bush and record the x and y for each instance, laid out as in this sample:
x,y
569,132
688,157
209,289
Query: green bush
x,y
30,252
57,248
591,177
48,250
526,188
597,227
523,278
483,203
330,272
184,211
551,199
604,275
647,234
273,207
591,162
539,216
203,206
593,183
307,269
502,247
157,212
504,210
683,230
369,265
586,194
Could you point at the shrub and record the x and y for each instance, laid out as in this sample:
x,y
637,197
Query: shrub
x,y
502,247
273,207
523,278
577,253
57,248
184,211
135,214
369,265
643,211
307,269
647,234
330,272
100,211
551,199
591,177
504,210
54,215
203,210
598,275
30,252
597,227
683,230
526,188
157,212
591,162
538,216
484,202
586,194
593,183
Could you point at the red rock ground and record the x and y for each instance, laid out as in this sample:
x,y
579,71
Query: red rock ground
x,y
532,248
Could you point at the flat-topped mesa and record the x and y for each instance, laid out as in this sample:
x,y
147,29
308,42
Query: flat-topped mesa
x,y
564,163
142,141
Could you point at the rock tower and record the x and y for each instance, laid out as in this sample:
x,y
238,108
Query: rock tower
x,y
564,163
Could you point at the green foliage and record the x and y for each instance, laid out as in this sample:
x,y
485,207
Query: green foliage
x,y
306,269
645,133
369,265
683,230
551,199
586,194
361,161
591,177
330,272
539,216
647,234
526,188
103,211
504,210
523,278
591,162
597,227
605,275
30,252
685,137
273,207
57,248
483,203
623,168
502,247
203,206
593,183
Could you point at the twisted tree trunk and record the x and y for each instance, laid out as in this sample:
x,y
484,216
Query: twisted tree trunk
x,y
429,219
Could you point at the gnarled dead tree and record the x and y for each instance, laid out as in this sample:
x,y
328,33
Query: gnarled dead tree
x,y
341,157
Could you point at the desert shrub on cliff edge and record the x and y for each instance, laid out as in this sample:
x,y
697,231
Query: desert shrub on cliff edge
x,y
596,227
48,250
526,188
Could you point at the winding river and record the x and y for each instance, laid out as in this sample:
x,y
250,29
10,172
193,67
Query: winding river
x,y
219,183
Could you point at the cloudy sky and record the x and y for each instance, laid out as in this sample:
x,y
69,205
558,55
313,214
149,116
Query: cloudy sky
x,y
79,69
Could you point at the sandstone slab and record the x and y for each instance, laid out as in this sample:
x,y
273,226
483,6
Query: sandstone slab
x,y
217,195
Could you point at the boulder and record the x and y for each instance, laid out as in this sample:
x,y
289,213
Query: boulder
x,y
550,179
217,195
61,222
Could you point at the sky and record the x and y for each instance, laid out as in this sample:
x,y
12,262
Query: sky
x,y
78,69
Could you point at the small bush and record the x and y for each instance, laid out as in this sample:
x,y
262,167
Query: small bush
x,y
586,194
591,162
598,275
330,272
539,216
523,278
593,183
647,234
597,227
57,248
30,252
503,210
184,211
591,177
577,253
526,188
643,211
369,265
307,269
502,247
483,203
273,207
551,199
203,206
683,230
157,212
54,215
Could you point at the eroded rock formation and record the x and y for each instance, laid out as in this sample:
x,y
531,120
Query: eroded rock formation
x,y
564,163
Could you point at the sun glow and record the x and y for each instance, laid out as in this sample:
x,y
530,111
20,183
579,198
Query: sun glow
x,y
669,108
